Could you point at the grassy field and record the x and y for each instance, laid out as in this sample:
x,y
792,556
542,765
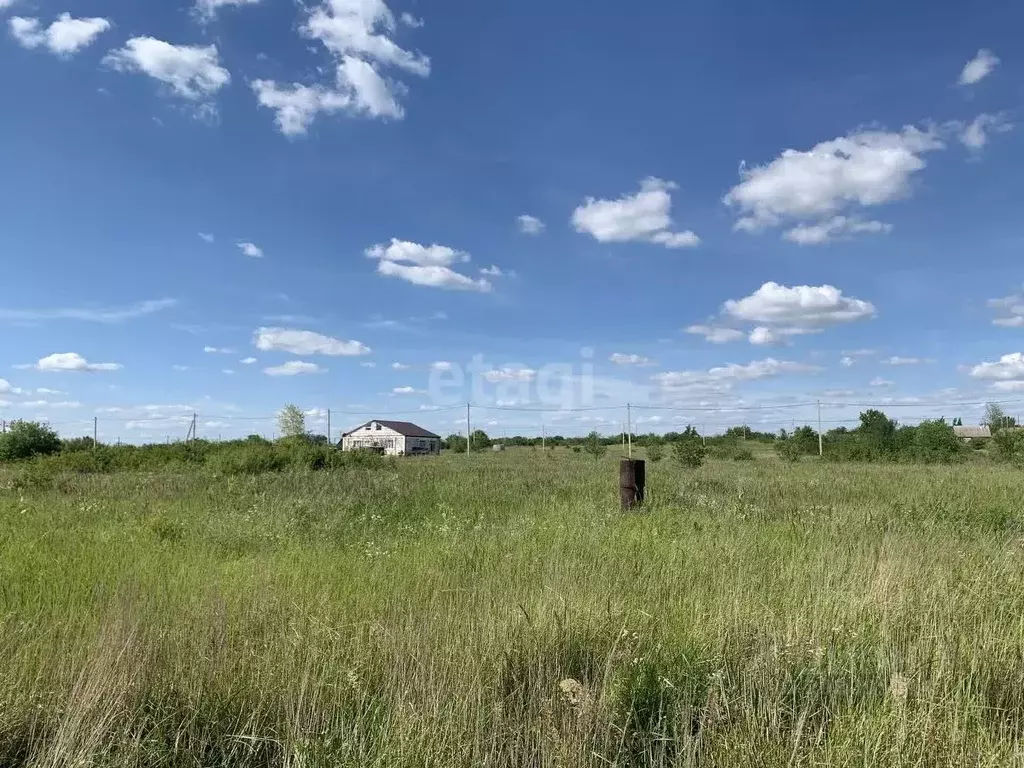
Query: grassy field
x,y
500,611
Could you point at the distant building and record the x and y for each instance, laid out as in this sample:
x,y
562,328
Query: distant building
x,y
971,432
393,438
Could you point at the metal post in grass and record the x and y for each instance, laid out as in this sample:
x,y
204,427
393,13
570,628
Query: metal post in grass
x,y
632,483
820,445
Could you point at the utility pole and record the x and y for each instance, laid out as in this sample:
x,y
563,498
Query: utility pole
x,y
95,431
821,449
328,426
469,434
704,435
543,435
629,429
195,436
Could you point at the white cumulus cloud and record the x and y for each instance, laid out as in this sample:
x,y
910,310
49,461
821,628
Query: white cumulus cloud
x,y
900,361
293,368
811,188
192,72
299,342
1009,368
978,68
803,307
426,265
72,361
359,34
64,37
643,217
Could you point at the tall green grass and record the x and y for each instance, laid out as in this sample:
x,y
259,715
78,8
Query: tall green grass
x,y
499,610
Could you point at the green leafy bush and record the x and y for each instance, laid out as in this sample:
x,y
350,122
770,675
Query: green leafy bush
x,y
252,459
1009,445
689,453
25,439
655,452
789,449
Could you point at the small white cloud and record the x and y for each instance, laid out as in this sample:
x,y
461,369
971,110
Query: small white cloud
x,y
7,389
206,237
878,381
530,225
715,334
179,367
846,362
400,367
368,365
293,368
42,390
975,135
300,342
215,424
406,391
357,35
978,68
207,9
72,361
5,4
642,217
426,265
771,337
898,361
228,371
64,37
620,358
510,374
494,271
248,361
191,72
838,227
411,21
251,250
441,365
803,307
218,351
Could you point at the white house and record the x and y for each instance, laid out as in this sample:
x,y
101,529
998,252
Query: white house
x,y
393,438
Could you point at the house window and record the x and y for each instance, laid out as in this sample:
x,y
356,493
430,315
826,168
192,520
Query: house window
x,y
367,426
377,426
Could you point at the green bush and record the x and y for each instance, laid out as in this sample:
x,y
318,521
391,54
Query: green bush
x,y
1009,445
689,453
789,449
25,439
76,444
655,452
251,459
742,454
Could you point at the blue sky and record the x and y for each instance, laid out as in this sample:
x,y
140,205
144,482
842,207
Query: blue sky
x,y
691,206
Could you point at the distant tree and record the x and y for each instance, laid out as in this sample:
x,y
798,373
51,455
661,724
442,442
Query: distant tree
x,y
256,439
996,418
25,439
480,440
877,430
935,441
593,445
654,452
291,421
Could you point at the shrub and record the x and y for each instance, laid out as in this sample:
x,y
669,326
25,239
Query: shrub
x,y
250,459
592,444
789,449
689,453
25,439
655,452
935,441
1009,444
76,444
742,454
